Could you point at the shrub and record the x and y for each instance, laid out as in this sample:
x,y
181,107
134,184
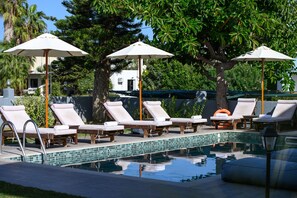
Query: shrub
x,y
35,107
56,89
186,109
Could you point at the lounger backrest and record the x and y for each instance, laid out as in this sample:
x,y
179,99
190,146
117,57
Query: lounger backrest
x,y
17,115
66,114
117,111
245,106
285,109
155,110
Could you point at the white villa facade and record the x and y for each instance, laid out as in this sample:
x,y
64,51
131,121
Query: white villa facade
x,y
36,78
126,80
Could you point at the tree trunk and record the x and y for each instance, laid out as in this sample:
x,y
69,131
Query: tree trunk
x,y
222,88
100,92
8,31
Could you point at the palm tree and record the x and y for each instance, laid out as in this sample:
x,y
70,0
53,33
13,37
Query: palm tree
x,y
10,11
21,23
15,69
30,24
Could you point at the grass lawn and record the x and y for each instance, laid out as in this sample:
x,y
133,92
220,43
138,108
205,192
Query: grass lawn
x,y
15,191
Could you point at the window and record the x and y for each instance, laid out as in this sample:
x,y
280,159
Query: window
x,y
33,82
120,81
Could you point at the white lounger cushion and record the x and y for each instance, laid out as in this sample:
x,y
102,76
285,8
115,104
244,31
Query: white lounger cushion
x,y
55,131
67,115
18,116
188,120
147,123
121,115
100,127
118,112
157,112
284,111
155,109
228,118
225,115
196,117
244,106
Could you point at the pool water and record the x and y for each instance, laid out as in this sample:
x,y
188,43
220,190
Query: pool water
x,y
182,165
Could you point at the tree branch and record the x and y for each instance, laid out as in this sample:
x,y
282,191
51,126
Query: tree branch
x,y
229,65
207,73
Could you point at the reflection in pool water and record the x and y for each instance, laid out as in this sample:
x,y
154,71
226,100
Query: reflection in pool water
x,y
177,166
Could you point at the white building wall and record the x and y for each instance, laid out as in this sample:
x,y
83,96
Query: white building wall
x,y
120,80
34,74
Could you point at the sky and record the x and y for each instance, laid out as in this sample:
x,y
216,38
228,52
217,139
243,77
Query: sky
x,y
56,9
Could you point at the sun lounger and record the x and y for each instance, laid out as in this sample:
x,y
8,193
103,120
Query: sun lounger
x,y
245,106
155,109
117,112
283,113
18,116
65,114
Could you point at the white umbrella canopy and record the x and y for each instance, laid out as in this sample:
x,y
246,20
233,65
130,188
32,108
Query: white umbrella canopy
x,y
140,50
263,54
137,49
46,45
37,46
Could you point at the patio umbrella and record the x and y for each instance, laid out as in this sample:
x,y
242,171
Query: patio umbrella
x,y
140,50
46,45
262,54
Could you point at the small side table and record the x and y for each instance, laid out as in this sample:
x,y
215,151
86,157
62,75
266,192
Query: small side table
x,y
248,118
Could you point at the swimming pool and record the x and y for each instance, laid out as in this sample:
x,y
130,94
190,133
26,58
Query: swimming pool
x,y
135,147
109,154
182,165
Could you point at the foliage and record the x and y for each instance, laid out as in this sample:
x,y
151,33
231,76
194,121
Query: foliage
x,y
170,107
86,84
13,68
69,77
21,21
29,24
37,92
244,77
185,109
209,33
163,75
189,109
11,11
35,107
56,89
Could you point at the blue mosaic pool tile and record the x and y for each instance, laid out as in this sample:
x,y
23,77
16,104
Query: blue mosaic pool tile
x,y
102,153
252,137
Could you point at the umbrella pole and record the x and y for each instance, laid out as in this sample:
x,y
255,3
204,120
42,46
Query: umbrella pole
x,y
46,88
140,88
262,88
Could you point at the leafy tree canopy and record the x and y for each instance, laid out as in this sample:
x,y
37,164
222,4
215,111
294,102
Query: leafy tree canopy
x,y
166,75
215,31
